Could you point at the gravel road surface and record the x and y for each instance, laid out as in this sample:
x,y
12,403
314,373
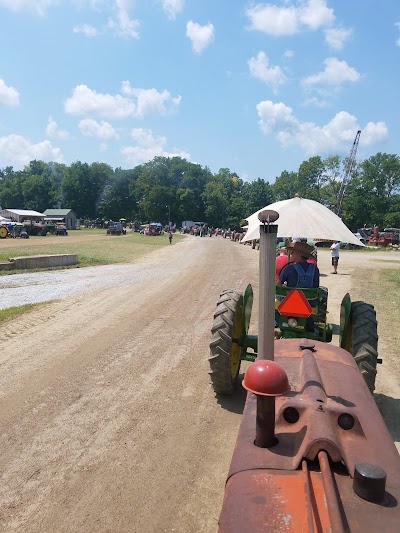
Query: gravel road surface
x,y
107,419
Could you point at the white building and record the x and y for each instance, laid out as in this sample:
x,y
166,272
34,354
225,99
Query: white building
x,y
20,215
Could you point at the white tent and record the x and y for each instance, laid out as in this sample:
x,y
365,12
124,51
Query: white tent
x,y
300,217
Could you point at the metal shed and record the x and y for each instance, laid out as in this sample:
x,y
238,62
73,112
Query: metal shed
x,y
67,216
20,215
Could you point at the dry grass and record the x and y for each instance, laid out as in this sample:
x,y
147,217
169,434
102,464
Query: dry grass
x,y
93,246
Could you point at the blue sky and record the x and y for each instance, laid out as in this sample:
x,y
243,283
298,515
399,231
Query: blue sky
x,y
250,86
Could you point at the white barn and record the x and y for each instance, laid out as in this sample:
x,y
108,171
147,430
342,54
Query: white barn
x,y
20,215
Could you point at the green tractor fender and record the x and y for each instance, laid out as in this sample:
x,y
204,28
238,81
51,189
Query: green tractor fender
x,y
345,312
247,306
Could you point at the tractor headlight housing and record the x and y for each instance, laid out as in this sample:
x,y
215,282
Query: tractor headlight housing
x,y
292,322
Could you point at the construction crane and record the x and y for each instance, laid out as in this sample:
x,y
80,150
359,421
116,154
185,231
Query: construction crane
x,y
347,174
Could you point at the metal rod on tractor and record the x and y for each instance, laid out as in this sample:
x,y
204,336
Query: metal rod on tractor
x,y
265,418
266,316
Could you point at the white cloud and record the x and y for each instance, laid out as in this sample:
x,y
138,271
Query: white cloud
x,y
147,147
172,7
84,101
101,130
201,36
289,20
275,116
123,25
36,6
260,69
397,24
8,95
315,13
18,151
136,102
53,131
318,101
288,54
151,100
86,29
278,119
336,72
337,37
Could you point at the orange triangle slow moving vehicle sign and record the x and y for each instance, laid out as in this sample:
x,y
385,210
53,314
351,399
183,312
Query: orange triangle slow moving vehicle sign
x,y
295,304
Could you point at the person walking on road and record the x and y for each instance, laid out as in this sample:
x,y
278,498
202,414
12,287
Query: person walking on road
x,y
170,236
335,255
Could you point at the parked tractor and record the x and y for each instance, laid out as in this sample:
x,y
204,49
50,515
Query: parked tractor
x,y
18,230
313,453
116,228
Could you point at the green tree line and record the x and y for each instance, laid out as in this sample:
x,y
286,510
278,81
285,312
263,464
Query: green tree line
x,y
174,189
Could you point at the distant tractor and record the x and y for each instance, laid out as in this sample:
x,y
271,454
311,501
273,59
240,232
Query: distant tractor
x,y
116,228
154,228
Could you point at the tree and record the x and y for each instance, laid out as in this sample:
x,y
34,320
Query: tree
x,y
285,186
374,193
189,194
39,192
118,198
330,188
257,194
224,204
11,194
310,178
83,186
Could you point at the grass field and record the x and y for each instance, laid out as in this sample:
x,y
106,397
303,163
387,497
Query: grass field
x,y
93,246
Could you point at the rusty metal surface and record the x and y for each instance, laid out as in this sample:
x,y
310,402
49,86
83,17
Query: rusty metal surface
x,y
258,501
294,486
325,384
332,499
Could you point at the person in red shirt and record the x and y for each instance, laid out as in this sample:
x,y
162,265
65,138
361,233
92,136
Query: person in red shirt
x,y
281,260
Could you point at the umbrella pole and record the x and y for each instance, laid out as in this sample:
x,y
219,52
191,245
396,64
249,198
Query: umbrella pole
x,y
266,315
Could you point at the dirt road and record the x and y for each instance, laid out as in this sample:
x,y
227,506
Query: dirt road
x,y
107,419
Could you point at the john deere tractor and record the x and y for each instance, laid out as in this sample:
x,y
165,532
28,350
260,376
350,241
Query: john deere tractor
x,y
231,343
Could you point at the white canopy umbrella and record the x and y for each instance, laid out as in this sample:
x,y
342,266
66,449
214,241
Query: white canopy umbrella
x,y
300,217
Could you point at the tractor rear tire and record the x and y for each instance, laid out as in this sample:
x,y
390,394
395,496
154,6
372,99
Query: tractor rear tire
x,y
225,351
364,340
322,304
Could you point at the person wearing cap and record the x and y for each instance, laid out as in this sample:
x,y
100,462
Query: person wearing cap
x,y
299,273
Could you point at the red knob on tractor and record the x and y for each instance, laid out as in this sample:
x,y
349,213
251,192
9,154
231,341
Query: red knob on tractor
x,y
266,378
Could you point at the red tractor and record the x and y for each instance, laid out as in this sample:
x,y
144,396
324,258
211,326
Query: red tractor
x,y
313,453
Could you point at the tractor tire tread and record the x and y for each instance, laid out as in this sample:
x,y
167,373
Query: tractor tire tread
x,y
365,341
322,305
221,342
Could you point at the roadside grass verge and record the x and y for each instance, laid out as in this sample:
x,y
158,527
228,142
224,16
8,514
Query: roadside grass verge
x,y
92,246
13,312
393,276
381,288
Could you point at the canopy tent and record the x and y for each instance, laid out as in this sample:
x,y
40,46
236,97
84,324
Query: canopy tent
x,y
300,217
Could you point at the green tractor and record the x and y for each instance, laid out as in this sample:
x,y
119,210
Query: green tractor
x,y
230,343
